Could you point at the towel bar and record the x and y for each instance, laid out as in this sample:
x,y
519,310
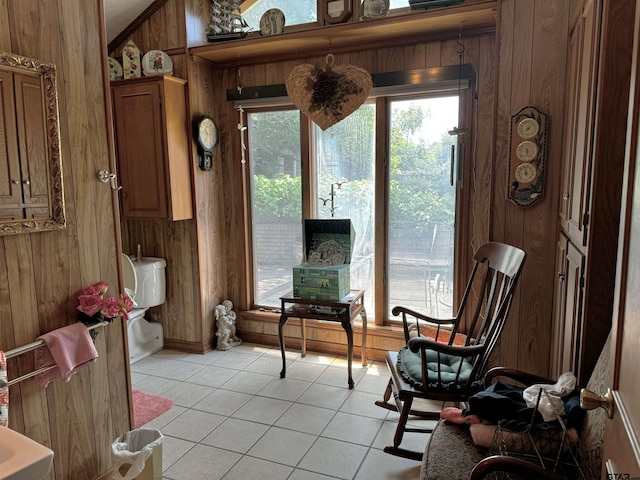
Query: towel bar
x,y
32,346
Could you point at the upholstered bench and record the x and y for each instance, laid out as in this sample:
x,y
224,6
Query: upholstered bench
x,y
451,453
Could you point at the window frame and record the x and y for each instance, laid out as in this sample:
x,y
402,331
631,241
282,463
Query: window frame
x,y
462,254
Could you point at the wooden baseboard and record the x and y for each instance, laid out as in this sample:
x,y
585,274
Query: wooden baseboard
x,y
322,337
188,347
334,349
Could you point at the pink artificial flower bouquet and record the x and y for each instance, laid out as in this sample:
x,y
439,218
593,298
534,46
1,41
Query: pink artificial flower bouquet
x,y
92,303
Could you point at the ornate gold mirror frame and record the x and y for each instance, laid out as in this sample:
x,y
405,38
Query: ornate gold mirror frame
x,y
54,218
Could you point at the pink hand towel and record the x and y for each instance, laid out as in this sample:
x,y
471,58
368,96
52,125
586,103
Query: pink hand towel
x,y
66,349
4,391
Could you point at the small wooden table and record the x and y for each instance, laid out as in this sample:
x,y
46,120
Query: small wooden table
x,y
343,311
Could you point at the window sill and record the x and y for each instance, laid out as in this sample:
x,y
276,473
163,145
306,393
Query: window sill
x,y
261,327
390,331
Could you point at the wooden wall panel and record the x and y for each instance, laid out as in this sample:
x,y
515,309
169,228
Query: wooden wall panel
x,y
165,30
197,14
532,72
40,273
186,313
209,194
516,81
5,35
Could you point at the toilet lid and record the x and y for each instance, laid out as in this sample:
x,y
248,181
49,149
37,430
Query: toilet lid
x,y
129,274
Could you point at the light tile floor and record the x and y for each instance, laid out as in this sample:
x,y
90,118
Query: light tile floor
x,y
235,418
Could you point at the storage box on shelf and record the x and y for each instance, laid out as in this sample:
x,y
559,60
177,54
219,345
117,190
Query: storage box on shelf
x,y
325,273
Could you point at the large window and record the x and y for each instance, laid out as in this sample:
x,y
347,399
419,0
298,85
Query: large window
x,y
296,12
422,204
345,175
276,201
337,175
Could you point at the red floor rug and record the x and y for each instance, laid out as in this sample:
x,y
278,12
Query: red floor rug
x,y
146,407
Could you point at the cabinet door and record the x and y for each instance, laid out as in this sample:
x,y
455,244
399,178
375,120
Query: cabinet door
x,y
571,316
32,141
559,307
10,184
579,123
140,145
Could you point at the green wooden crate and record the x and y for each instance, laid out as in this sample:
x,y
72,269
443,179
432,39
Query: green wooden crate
x,y
321,283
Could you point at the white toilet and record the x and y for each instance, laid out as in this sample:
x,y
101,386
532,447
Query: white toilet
x,y
145,281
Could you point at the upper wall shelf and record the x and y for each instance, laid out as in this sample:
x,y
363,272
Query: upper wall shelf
x,y
410,27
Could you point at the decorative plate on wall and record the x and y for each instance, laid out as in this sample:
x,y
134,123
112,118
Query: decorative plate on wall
x,y
272,22
156,62
526,156
374,9
115,69
131,61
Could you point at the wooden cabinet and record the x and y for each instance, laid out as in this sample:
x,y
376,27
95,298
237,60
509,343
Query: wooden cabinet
x,y
24,171
599,65
152,138
569,300
580,100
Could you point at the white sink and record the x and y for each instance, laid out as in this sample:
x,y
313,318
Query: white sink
x,y
22,458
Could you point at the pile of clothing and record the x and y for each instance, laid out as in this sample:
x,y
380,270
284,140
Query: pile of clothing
x,y
544,417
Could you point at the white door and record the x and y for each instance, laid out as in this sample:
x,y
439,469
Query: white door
x,y
621,454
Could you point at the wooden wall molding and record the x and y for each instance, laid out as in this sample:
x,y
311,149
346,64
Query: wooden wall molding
x,y
135,25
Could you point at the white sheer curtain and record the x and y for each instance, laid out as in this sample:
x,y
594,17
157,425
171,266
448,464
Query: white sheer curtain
x,y
345,155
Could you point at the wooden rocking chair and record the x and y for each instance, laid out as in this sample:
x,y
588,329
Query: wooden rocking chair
x,y
441,370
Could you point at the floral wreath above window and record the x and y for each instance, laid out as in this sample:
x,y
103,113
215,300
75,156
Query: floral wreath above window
x,y
330,94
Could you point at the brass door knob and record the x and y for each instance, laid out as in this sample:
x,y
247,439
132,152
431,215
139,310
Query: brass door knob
x,y
590,400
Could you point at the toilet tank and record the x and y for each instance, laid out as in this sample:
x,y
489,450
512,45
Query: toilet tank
x,y
152,285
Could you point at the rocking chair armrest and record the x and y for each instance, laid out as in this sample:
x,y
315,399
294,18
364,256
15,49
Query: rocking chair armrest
x,y
506,464
417,343
421,316
521,376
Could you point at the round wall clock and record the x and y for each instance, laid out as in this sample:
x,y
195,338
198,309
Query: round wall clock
x,y
528,127
207,137
527,151
526,173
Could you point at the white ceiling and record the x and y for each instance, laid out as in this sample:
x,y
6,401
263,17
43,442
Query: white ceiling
x,y
120,13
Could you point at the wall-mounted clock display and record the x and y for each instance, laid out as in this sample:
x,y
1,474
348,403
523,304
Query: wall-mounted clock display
x,y
527,151
335,11
526,173
528,127
207,137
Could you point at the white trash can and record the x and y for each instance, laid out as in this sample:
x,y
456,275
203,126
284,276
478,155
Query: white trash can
x,y
138,454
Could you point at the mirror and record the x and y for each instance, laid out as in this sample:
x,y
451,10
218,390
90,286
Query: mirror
x,y
31,190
